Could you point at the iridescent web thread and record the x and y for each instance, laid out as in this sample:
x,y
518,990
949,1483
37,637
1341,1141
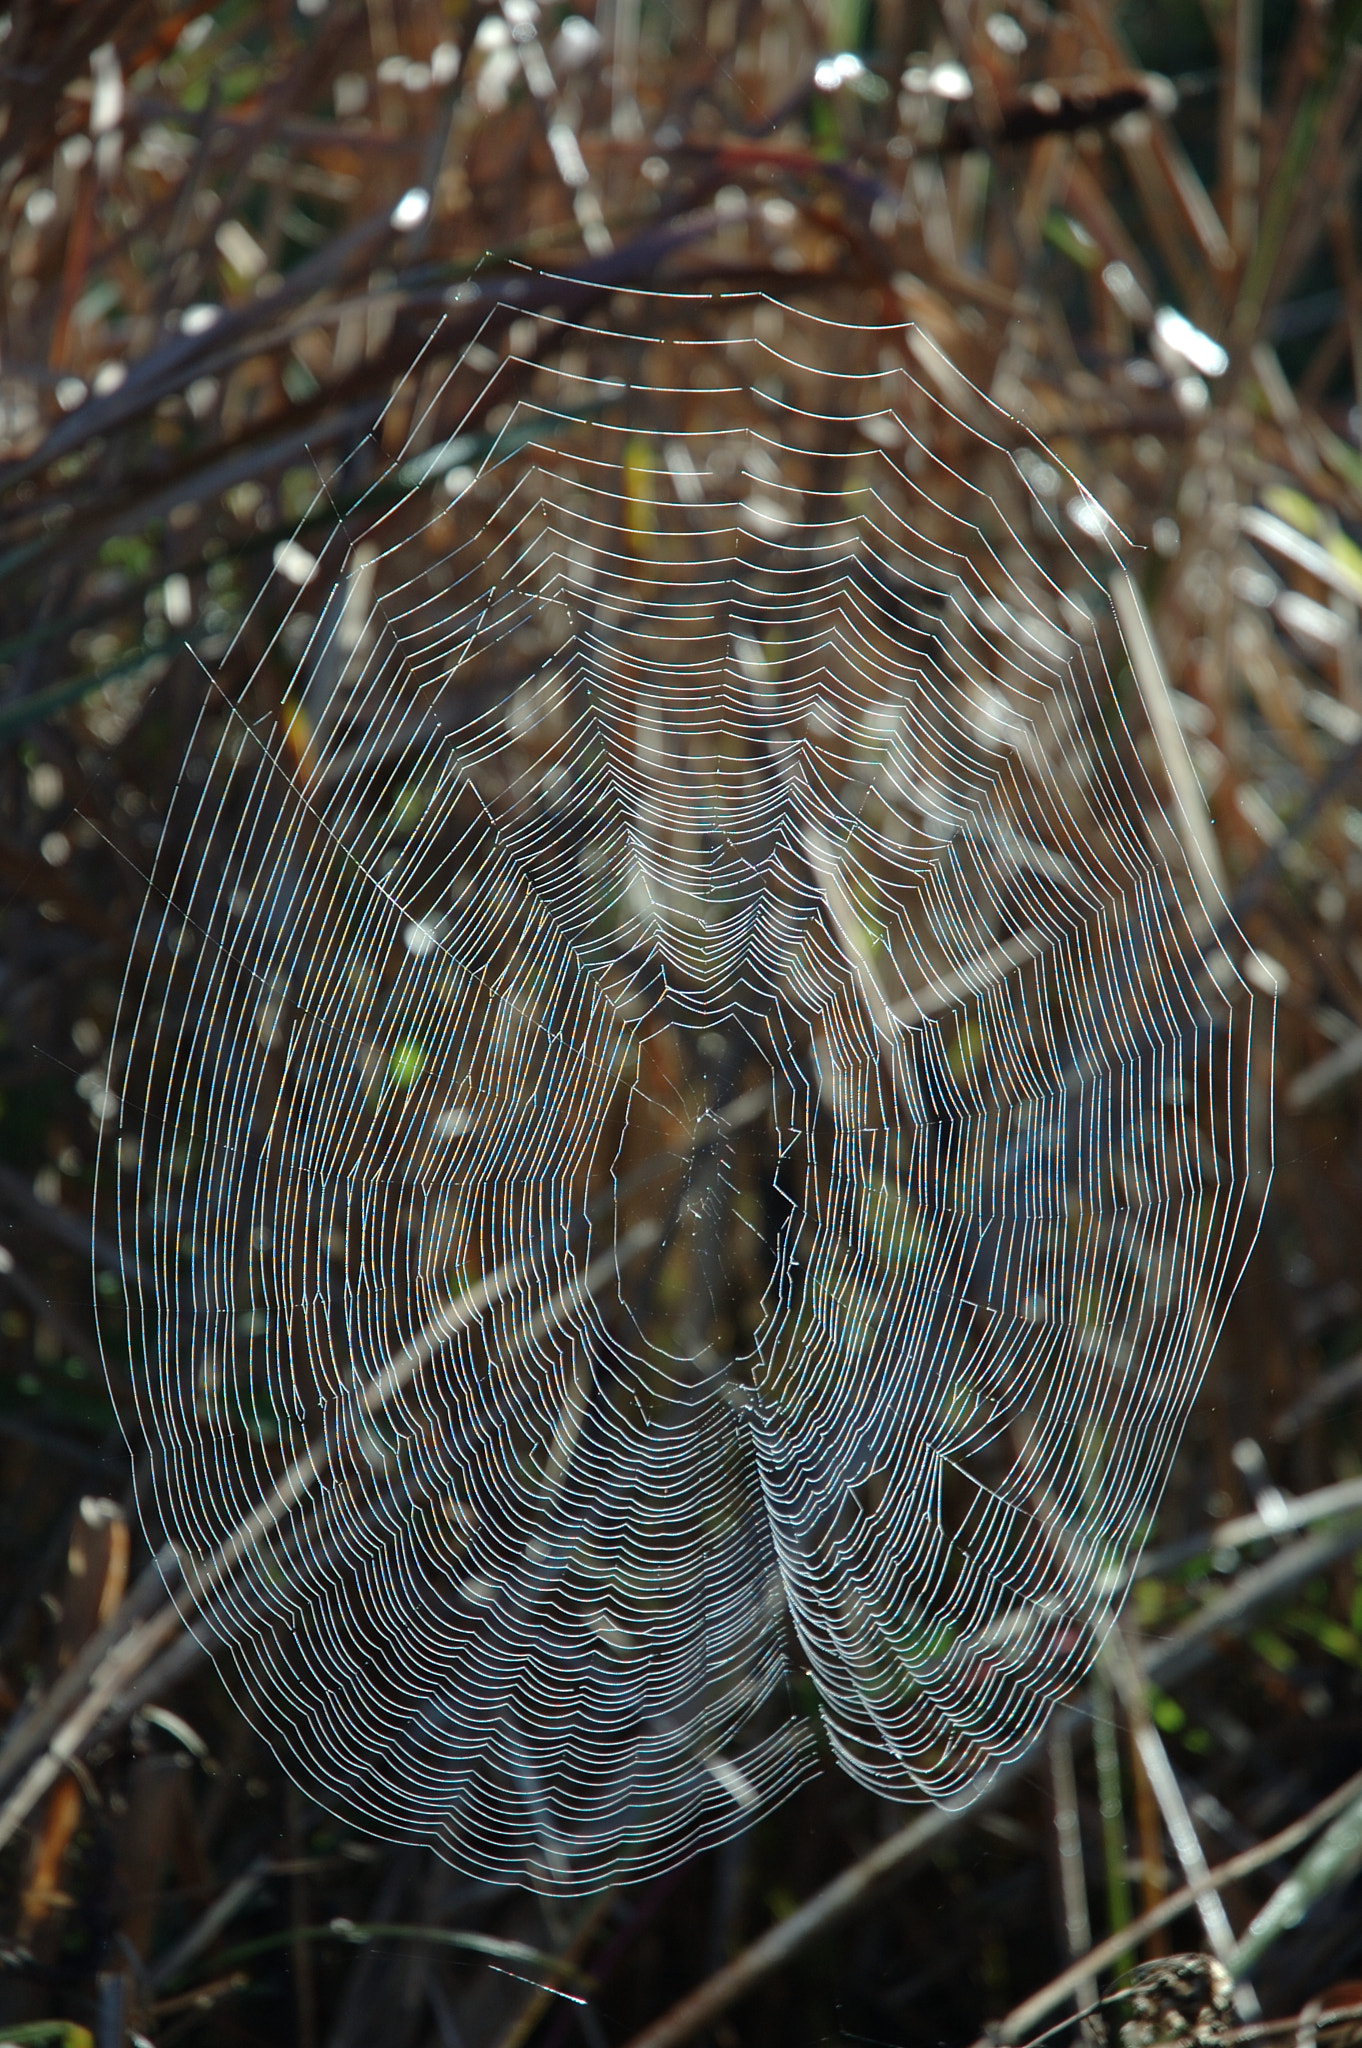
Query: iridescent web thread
x,y
794,821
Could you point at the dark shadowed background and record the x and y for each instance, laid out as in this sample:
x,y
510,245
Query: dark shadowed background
x,y
227,231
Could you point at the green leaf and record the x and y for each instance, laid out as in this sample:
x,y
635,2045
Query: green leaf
x,y
406,1063
1167,1713
1273,1650
1071,239
1295,508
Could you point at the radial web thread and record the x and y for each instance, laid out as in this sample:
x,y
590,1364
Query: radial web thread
x,y
693,1136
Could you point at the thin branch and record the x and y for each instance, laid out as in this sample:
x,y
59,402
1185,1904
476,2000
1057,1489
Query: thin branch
x,y
893,1859
210,1924
16,1193
827,1908
1018,2023
1339,1384
1069,1843
1344,1497
1194,1643
1191,818
1131,1684
106,1684
1330,1863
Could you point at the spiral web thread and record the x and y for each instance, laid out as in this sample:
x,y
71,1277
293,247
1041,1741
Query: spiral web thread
x,y
693,1145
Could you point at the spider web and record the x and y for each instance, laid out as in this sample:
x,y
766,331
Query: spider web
x,y
692,1135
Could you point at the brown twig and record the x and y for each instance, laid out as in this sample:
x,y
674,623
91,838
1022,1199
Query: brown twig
x,y
893,1859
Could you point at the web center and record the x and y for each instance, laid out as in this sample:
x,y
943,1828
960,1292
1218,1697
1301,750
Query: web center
x,y
696,1156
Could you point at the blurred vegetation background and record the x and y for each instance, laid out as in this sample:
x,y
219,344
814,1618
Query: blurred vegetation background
x,y
228,229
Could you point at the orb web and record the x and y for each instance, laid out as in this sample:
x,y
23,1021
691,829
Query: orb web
x,y
692,1136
